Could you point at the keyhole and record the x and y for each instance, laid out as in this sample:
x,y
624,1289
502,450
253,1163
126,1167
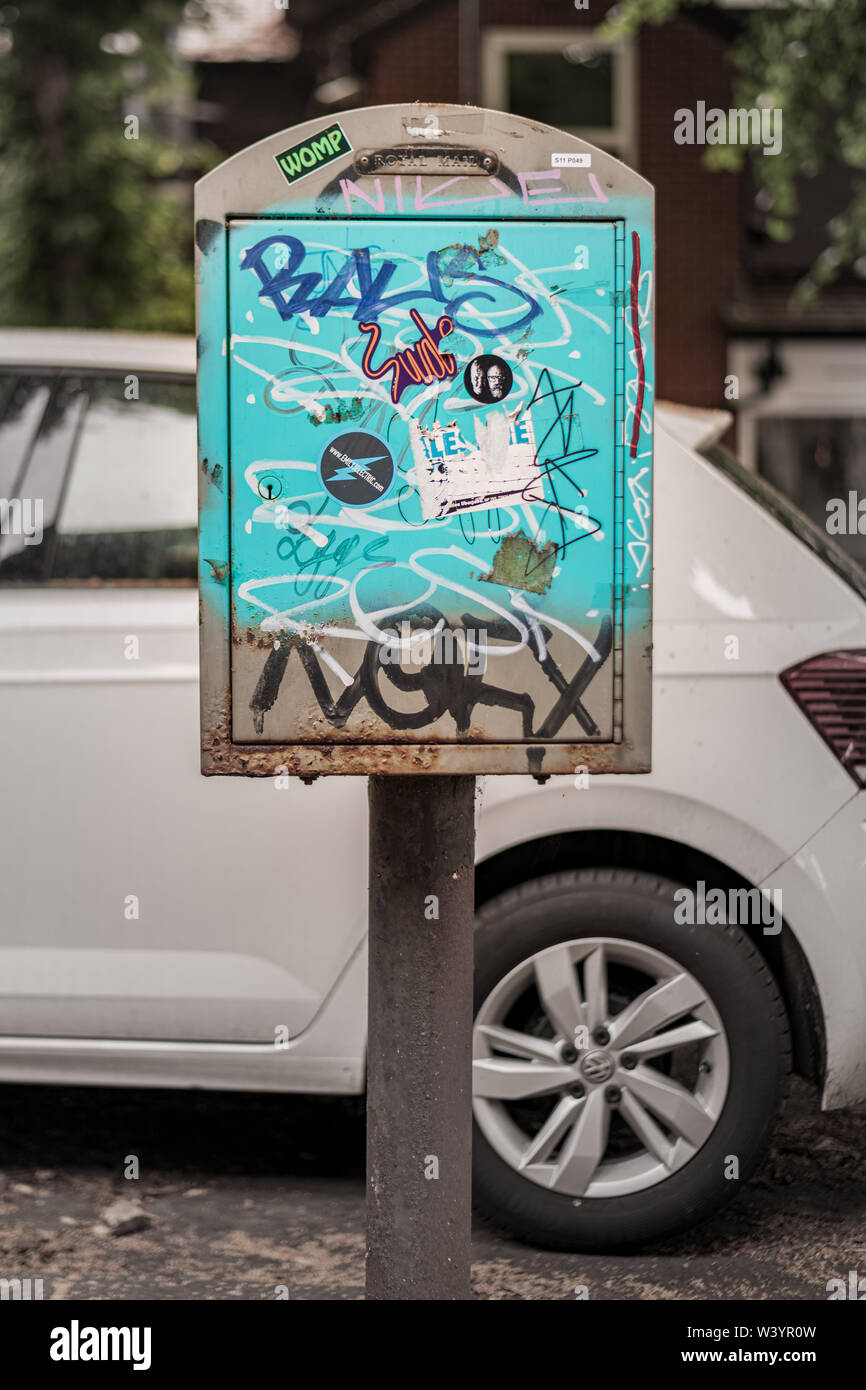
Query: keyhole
x,y
269,488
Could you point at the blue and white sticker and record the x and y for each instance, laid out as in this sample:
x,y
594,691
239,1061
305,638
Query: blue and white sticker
x,y
357,468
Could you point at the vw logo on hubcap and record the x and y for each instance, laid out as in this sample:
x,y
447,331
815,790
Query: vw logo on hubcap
x,y
597,1066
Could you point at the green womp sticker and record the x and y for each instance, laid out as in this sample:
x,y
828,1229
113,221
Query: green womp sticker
x,y
320,149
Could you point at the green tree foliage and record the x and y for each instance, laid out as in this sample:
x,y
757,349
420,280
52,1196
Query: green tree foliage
x,y
95,227
807,58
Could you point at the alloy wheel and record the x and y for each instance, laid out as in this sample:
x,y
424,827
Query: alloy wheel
x,y
600,1067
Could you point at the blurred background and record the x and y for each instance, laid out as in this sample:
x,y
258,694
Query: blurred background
x,y
110,109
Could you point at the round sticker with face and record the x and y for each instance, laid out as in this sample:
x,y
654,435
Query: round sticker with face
x,y
357,468
488,378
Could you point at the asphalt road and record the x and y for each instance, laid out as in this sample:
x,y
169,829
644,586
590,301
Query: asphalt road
x,y
244,1194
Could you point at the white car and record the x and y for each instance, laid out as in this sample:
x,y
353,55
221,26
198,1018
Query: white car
x,y
164,929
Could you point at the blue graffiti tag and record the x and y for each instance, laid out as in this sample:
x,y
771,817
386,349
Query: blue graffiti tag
x,y
293,291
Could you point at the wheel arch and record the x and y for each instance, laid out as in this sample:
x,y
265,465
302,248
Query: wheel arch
x,y
628,849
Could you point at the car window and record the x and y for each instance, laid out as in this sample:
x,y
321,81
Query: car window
x,y
129,510
22,403
790,516
111,464
811,460
38,429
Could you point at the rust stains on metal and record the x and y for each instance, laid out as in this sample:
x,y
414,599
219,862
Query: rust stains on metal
x,y
336,415
520,564
218,569
534,759
466,260
214,475
220,757
258,641
489,242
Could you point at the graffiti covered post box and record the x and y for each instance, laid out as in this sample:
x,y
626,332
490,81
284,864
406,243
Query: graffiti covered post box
x,y
425,431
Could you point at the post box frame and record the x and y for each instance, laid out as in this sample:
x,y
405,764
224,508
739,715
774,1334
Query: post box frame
x,y
490,164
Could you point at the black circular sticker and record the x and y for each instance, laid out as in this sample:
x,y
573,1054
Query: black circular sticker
x,y
357,468
488,378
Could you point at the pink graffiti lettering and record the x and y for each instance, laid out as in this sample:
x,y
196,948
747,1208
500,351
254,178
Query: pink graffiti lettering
x,y
538,188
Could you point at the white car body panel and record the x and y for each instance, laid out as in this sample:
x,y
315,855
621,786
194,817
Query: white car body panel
x,y
823,889
327,1058
116,743
118,352
231,952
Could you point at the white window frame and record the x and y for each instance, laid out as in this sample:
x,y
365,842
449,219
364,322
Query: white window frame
x,y
497,43
823,380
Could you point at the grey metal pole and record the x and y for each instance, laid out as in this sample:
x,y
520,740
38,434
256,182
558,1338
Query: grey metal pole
x,y
419,1118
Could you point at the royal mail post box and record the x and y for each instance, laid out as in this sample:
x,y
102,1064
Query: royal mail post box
x,y
425,422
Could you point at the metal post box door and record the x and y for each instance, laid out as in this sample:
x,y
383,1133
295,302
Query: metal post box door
x,y
426,437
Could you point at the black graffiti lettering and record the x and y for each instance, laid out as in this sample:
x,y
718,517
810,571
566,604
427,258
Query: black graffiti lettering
x,y
560,432
445,686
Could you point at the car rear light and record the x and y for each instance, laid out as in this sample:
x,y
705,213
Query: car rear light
x,y
831,692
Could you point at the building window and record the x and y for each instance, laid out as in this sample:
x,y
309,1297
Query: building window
x,y
566,78
807,434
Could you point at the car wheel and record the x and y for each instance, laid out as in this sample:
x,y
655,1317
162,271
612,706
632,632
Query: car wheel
x,y
628,1070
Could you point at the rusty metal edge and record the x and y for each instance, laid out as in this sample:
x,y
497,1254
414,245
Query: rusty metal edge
x,y
225,759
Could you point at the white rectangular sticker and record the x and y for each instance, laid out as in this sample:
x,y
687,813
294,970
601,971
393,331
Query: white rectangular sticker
x,y
455,475
571,161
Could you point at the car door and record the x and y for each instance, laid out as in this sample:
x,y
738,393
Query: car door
x,y
140,900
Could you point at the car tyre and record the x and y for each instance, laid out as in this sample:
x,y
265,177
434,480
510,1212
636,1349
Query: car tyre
x,y
691,1122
